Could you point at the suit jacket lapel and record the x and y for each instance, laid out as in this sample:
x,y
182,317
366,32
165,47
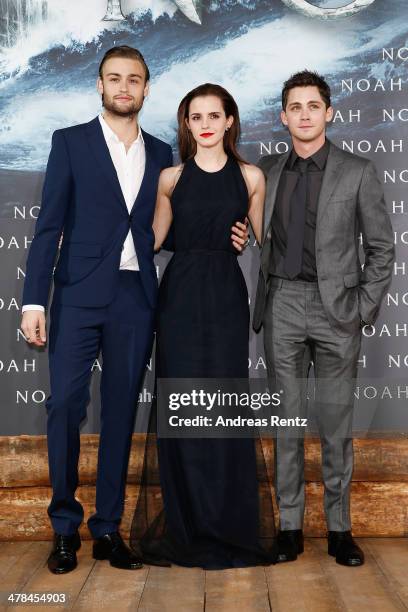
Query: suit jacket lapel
x,y
273,178
101,152
331,176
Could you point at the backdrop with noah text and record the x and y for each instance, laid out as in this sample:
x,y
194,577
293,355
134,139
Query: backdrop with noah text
x,y
49,56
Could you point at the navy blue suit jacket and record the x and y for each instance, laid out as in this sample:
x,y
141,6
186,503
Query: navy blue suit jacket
x,y
83,200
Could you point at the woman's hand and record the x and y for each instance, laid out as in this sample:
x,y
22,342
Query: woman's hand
x,y
240,235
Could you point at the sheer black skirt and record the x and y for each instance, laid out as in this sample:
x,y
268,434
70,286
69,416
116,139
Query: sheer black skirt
x,y
242,535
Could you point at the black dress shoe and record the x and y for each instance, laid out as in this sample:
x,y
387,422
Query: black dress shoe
x,y
290,544
112,547
63,555
344,548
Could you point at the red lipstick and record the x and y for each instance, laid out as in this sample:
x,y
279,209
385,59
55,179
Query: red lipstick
x,y
206,134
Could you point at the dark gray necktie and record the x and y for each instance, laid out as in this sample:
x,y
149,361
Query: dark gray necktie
x,y
296,228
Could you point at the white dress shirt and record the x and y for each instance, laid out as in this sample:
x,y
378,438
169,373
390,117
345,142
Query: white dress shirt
x,y
130,167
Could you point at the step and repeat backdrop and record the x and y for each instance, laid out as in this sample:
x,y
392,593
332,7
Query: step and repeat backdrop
x,y
49,56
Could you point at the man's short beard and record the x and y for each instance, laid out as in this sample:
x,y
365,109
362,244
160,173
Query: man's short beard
x,y
114,110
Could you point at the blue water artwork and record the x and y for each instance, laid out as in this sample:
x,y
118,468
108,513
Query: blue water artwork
x,y
50,52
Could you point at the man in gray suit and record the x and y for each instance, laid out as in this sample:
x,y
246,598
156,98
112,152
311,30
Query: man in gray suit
x,y
313,298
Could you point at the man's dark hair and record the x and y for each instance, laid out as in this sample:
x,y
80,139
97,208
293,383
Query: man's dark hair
x,y
125,52
305,79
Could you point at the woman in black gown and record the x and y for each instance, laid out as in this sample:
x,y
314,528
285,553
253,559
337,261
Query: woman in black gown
x,y
212,515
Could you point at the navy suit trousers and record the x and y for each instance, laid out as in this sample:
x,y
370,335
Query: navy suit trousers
x,y
123,332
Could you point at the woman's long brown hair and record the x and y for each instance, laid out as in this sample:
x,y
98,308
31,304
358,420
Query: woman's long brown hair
x,y
186,143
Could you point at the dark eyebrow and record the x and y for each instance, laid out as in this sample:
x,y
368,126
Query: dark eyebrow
x,y
129,75
309,102
210,113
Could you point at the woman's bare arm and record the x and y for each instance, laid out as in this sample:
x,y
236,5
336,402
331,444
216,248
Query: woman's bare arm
x,y
255,181
163,215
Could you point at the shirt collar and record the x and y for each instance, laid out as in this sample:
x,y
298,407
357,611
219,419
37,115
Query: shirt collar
x,y
110,135
319,158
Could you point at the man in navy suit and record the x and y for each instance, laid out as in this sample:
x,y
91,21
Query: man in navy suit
x,y
99,192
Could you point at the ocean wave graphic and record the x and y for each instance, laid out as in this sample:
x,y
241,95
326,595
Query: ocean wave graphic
x,y
252,65
250,58
33,27
29,28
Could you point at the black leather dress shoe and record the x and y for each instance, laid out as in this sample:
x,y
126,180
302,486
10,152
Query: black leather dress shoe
x,y
63,555
290,545
342,546
112,547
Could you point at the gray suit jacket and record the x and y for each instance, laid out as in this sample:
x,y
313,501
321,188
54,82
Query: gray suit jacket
x,y
351,201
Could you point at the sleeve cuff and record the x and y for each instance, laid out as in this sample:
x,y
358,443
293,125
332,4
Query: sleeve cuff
x,y
32,307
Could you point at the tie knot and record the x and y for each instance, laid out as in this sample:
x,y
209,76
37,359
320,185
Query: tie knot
x,y
303,164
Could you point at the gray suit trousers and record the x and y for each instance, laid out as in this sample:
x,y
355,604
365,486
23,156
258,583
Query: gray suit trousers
x,y
295,323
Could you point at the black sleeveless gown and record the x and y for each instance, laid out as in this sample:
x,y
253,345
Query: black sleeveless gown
x,y
212,515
